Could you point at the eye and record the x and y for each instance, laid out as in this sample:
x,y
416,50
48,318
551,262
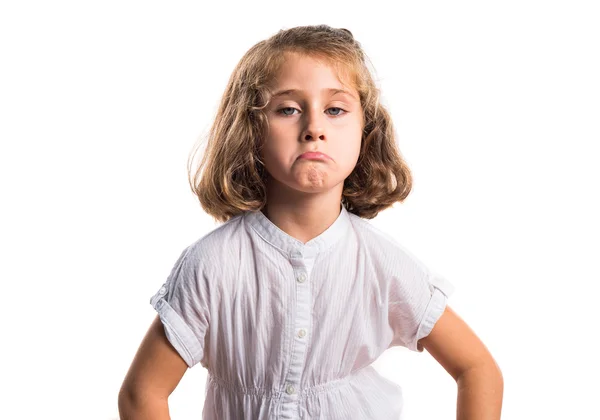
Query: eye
x,y
281,111
335,115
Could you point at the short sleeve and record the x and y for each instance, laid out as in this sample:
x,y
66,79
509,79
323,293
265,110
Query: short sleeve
x,y
417,299
183,306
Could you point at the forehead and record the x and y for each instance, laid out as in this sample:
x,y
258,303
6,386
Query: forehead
x,y
303,72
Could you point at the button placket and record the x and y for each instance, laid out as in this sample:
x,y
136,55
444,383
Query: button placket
x,y
300,332
301,279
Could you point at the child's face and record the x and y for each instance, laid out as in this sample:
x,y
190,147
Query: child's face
x,y
312,119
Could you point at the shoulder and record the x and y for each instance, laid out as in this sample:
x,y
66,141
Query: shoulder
x,y
212,247
376,241
392,257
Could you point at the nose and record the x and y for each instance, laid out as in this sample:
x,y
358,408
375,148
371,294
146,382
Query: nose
x,y
314,126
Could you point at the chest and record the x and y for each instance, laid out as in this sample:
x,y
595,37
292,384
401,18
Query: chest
x,y
329,288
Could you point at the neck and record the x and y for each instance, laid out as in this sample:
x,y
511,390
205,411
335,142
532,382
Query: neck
x,y
303,216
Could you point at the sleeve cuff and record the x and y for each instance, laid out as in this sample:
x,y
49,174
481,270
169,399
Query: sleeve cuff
x,y
434,311
178,333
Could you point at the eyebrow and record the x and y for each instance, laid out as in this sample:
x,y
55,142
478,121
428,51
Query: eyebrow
x,y
333,91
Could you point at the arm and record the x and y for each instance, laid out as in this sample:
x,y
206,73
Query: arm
x,y
460,352
151,408
155,372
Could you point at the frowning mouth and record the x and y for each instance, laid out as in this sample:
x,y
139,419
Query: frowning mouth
x,y
314,155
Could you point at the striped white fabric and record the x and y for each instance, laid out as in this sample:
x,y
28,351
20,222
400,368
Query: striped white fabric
x,y
289,330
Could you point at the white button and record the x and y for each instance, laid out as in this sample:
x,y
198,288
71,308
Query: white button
x,y
290,389
302,333
302,277
162,290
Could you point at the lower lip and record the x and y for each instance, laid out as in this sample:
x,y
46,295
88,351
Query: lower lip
x,y
314,155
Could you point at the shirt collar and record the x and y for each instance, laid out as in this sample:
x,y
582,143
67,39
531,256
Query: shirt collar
x,y
292,247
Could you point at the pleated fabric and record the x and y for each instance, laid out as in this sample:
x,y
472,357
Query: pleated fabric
x,y
289,330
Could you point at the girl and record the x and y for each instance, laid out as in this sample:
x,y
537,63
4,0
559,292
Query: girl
x,y
291,299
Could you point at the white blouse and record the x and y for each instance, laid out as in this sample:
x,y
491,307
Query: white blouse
x,y
289,330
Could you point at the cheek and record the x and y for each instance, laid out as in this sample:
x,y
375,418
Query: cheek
x,y
280,127
275,152
281,139
352,140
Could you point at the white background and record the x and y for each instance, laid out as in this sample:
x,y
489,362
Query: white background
x,y
496,106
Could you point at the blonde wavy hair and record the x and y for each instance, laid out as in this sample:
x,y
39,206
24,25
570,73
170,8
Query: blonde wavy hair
x,y
231,177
